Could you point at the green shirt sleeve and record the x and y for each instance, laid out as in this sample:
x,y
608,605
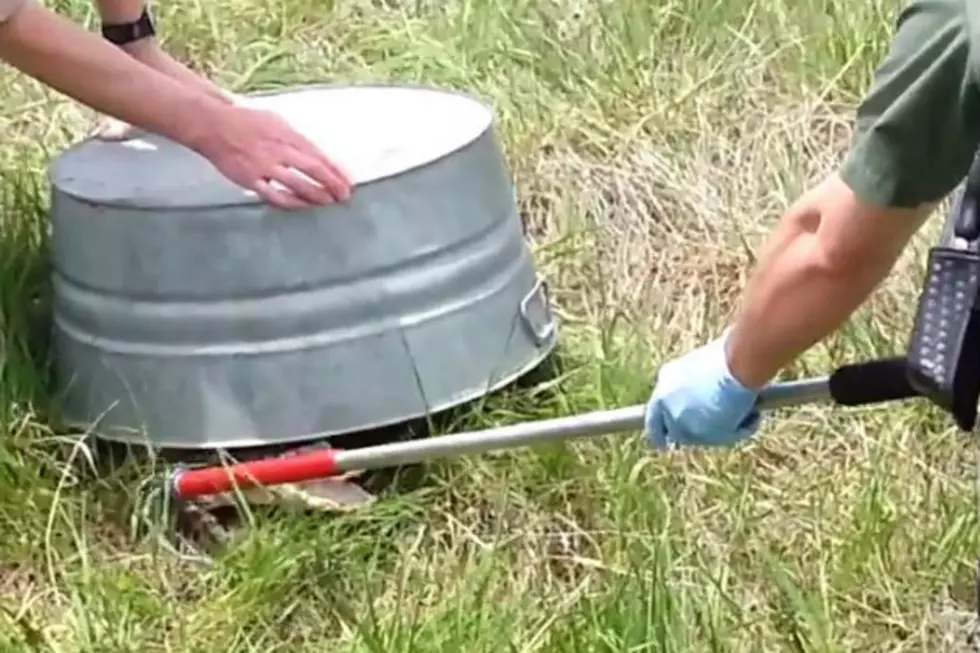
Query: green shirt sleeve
x,y
919,124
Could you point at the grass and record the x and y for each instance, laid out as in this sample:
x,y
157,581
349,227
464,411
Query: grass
x,y
654,144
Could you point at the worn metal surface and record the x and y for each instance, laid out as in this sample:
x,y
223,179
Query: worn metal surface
x,y
190,316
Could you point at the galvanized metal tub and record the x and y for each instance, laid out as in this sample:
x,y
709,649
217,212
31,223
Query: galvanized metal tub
x,y
188,315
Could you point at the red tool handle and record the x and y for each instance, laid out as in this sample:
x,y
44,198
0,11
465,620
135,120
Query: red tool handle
x,y
269,471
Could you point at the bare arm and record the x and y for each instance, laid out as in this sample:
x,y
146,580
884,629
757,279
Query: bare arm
x,y
917,133
149,51
85,67
828,254
251,148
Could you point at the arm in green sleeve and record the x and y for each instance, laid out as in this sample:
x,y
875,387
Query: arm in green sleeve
x,y
917,130
919,126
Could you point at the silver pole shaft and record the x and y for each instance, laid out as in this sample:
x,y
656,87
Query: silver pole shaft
x,y
597,423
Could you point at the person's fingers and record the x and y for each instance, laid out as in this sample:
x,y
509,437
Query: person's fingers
x,y
111,129
323,173
281,198
286,134
749,425
313,176
308,151
674,435
656,426
302,186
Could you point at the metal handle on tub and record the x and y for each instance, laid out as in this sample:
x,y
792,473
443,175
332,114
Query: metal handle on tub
x,y
543,334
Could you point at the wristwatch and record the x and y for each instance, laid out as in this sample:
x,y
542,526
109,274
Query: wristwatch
x,y
125,33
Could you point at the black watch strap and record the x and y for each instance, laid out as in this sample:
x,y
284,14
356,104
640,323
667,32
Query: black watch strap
x,y
124,33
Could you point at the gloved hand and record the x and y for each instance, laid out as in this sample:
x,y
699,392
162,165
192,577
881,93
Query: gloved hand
x,y
697,401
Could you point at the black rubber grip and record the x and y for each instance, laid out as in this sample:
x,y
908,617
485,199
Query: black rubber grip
x,y
873,382
967,223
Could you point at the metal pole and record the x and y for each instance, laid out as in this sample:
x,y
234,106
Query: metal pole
x,y
598,423
325,463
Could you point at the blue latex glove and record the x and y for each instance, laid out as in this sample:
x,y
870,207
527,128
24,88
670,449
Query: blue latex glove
x,y
698,402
